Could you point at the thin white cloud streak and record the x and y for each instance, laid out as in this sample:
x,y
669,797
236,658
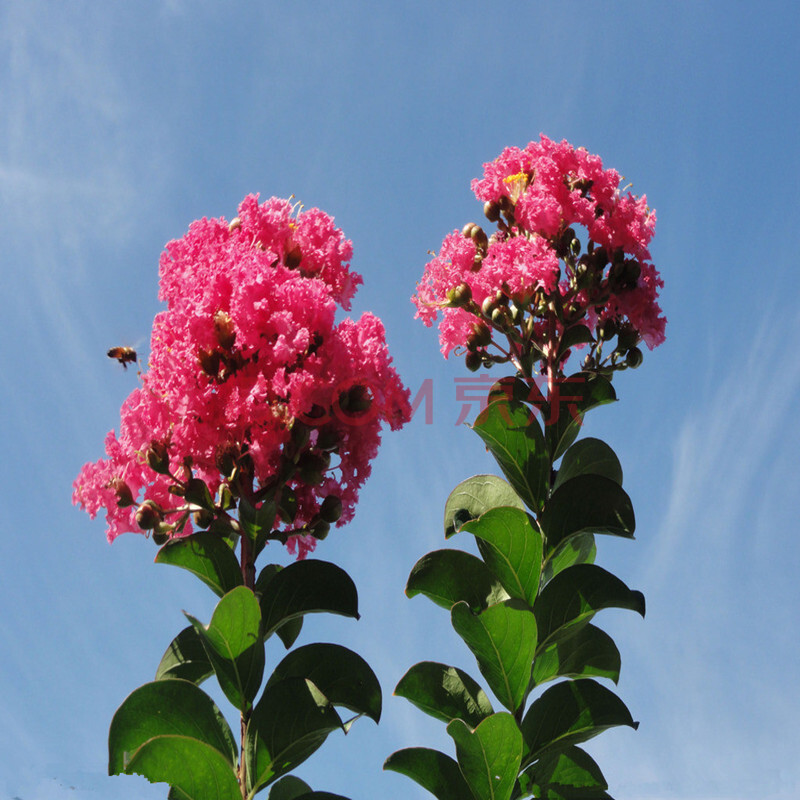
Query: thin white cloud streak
x,y
719,582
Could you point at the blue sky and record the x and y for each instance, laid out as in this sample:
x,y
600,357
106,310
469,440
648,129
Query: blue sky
x,y
120,124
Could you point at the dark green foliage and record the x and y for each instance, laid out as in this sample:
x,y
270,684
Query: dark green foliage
x,y
525,607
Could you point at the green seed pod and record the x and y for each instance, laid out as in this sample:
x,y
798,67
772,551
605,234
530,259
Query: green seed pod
x,y
635,357
331,509
320,529
328,439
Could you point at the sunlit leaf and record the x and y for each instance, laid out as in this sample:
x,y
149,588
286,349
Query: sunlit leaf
x,y
450,576
234,645
446,693
513,435
206,555
511,545
185,658
489,756
503,640
475,496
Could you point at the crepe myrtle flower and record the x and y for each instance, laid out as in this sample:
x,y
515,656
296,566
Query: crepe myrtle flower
x,y
567,265
253,393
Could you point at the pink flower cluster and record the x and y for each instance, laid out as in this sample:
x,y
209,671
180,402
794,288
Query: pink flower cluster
x,y
246,352
537,195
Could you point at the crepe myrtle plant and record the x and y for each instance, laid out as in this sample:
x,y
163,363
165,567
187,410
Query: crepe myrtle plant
x,y
254,424
565,273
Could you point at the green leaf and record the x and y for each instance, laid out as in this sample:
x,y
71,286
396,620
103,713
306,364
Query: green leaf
x,y
288,787
185,658
573,597
171,731
208,557
193,769
576,395
257,522
451,576
577,334
571,774
292,719
340,674
503,640
289,631
234,645
511,545
569,713
589,457
515,439
587,504
475,496
446,693
580,549
589,652
307,587
432,770
489,756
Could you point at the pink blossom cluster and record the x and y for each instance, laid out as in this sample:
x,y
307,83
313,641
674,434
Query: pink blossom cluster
x,y
539,195
246,353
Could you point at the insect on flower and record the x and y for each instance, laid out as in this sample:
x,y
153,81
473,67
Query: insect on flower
x,y
125,355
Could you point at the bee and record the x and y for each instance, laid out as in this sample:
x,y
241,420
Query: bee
x,y
125,355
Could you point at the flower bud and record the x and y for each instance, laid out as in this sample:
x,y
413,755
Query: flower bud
x,y
224,330
607,330
226,457
148,515
157,457
478,235
635,357
488,306
328,439
481,335
209,362
292,255
312,466
466,231
459,295
160,538
473,361
122,491
331,509
492,210
632,272
320,529
355,400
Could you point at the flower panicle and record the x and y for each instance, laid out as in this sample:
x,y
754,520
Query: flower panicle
x,y
567,262
253,391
